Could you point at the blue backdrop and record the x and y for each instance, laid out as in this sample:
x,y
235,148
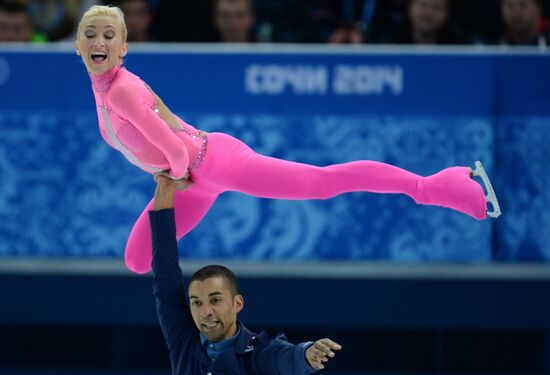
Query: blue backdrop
x,y
64,192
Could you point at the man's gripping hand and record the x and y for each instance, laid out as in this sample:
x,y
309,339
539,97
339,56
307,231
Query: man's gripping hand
x,y
166,187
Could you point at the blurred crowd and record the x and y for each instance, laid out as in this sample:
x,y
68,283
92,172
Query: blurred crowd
x,y
445,22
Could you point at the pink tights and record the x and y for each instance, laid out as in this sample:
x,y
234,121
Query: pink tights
x,y
230,165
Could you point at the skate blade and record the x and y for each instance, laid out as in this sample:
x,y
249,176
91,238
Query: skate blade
x,y
491,196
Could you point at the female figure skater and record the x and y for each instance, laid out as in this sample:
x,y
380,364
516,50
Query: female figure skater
x,y
135,121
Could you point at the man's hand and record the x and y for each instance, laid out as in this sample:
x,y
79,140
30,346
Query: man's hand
x,y
166,187
320,352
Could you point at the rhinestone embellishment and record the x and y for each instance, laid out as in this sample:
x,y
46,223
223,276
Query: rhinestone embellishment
x,y
102,82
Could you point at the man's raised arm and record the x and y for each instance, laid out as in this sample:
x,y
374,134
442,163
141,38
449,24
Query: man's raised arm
x,y
168,287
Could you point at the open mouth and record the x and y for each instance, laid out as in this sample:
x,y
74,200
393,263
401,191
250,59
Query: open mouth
x,y
98,57
210,325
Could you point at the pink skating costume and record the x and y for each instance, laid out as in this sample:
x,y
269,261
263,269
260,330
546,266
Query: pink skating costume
x,y
129,122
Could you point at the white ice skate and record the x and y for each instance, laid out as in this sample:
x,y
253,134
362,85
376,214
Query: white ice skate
x,y
491,196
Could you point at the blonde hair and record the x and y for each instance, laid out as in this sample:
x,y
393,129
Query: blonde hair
x,y
103,10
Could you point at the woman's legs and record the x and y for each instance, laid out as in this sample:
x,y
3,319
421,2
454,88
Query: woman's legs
x,y
189,208
267,177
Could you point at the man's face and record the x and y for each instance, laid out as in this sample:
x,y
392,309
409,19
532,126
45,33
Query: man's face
x,y
428,16
213,308
234,20
521,17
15,27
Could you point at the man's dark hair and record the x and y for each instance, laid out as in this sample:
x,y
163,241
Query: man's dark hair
x,y
215,270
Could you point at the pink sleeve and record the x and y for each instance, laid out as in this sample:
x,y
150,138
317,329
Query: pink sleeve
x,y
133,102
